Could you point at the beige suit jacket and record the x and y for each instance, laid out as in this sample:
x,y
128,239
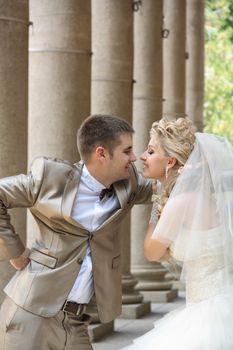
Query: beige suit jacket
x,y
58,250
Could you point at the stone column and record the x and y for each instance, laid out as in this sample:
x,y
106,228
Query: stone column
x,y
112,76
59,77
13,105
112,63
174,57
147,107
195,62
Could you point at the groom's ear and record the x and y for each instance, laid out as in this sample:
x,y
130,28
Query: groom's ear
x,y
100,152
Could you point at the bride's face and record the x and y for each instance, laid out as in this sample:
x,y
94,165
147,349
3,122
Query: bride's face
x,y
154,161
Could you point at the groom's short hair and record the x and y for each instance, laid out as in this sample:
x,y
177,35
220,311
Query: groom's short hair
x,y
101,130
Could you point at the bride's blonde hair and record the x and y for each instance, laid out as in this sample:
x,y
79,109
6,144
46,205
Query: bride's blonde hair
x,y
177,138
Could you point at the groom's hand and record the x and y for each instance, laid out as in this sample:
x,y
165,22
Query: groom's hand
x,y
21,262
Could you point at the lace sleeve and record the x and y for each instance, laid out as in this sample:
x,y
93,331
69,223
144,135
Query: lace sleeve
x,y
156,188
173,266
153,215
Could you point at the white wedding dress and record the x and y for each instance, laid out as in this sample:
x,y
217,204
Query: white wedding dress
x,y
206,322
197,225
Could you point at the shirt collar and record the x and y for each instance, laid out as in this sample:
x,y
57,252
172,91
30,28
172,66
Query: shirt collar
x,y
90,181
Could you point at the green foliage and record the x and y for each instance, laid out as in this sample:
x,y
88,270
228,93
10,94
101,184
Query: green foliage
x,y
218,106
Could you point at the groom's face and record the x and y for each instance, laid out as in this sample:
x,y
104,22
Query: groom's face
x,y
119,161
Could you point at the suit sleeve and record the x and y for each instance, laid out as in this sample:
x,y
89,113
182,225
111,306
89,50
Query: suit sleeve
x,y
18,191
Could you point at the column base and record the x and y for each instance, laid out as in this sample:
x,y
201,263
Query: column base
x,y
160,296
134,298
100,330
134,311
178,285
153,286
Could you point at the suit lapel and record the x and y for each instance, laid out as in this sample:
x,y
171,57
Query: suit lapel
x,y
70,193
71,190
120,190
125,191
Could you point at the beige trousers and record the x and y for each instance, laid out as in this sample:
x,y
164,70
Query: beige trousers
x,y
22,330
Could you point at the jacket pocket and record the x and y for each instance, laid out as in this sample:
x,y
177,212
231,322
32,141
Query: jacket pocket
x,y
43,259
116,261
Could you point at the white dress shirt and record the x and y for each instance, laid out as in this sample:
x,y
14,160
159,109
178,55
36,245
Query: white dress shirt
x,y
90,212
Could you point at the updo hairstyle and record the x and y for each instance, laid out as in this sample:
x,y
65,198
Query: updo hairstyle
x,y
177,138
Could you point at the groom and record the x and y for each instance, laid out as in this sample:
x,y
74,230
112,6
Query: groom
x,y
76,254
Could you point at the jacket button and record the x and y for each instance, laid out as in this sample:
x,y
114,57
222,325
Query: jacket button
x,y
80,261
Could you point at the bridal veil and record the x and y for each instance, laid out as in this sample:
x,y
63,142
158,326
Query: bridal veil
x,y
196,221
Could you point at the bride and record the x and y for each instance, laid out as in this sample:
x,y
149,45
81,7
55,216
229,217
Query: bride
x,y
192,223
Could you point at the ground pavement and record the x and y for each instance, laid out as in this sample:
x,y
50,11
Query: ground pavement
x,y
125,330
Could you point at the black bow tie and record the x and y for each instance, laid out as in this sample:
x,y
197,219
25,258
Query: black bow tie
x,y
106,192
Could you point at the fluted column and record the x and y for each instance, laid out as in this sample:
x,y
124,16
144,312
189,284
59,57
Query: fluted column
x,y
195,62
59,77
147,107
112,63
174,57
13,104
112,76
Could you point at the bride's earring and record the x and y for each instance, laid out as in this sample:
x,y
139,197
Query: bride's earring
x,y
166,172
